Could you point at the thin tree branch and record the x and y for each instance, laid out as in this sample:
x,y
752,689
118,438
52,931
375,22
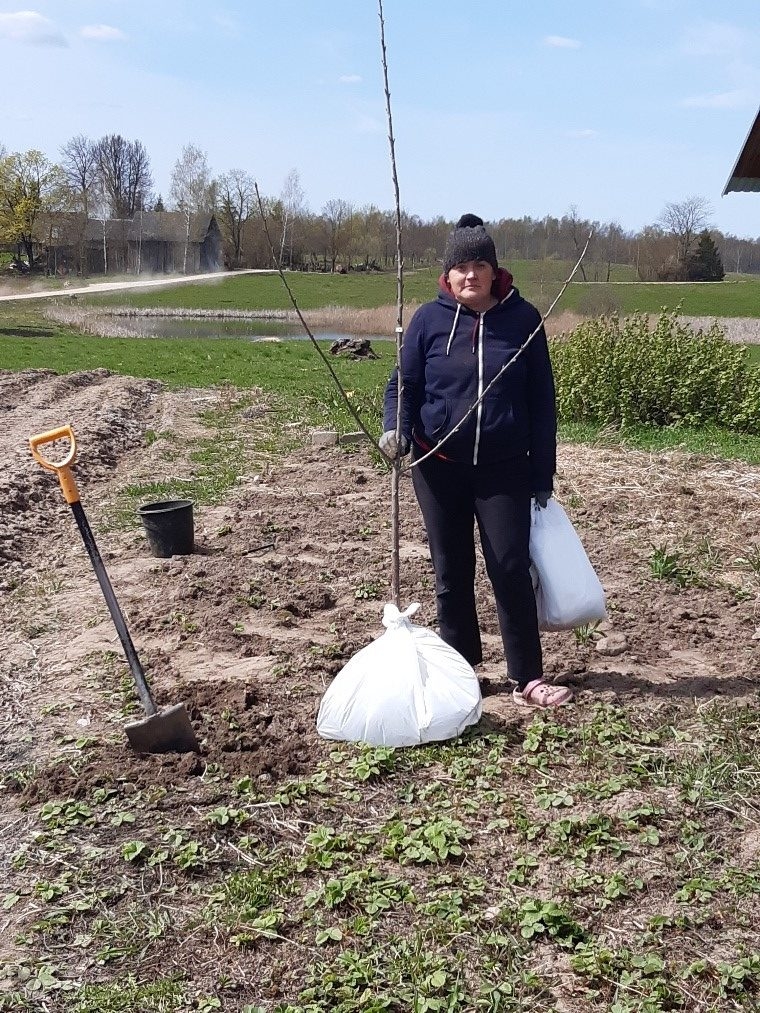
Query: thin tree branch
x,y
505,367
313,340
396,472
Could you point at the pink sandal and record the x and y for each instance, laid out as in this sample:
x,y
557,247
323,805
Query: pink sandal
x,y
540,695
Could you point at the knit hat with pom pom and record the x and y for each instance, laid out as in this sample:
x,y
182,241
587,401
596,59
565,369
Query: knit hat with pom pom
x,y
469,241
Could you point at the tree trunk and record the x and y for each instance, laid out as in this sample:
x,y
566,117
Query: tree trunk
x,y
187,242
29,248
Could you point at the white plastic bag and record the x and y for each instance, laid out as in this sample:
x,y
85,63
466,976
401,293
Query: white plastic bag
x,y
568,591
404,688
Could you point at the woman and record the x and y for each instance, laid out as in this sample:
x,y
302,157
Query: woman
x,y
493,462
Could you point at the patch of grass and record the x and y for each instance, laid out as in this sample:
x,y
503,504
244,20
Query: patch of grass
x,y
621,836
709,442
667,564
160,996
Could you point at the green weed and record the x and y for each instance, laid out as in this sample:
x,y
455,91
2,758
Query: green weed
x,y
665,564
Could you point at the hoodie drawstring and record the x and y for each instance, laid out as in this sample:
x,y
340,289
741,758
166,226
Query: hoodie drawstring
x,y
453,327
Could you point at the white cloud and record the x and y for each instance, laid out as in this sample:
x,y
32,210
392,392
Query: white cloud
x,y
30,29
582,134
561,42
718,100
350,79
101,33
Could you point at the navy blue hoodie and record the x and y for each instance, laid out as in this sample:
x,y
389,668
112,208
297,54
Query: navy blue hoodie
x,y
449,356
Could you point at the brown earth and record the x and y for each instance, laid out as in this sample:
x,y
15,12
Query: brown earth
x,y
289,576
287,581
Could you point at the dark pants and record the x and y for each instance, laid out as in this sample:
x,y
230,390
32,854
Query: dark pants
x,y
452,497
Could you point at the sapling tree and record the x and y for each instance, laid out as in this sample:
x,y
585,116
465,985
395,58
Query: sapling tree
x,y
293,204
192,189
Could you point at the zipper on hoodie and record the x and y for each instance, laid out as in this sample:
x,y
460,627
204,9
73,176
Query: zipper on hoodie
x,y
477,336
479,410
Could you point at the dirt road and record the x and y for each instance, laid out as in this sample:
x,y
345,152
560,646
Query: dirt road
x,y
120,286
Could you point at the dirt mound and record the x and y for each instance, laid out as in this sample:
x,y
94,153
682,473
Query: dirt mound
x,y
110,410
288,581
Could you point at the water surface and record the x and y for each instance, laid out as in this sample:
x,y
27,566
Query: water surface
x,y
210,327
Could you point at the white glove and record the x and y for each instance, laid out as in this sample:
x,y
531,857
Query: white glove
x,y
390,447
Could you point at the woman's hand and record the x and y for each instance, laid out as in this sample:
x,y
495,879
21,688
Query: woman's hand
x,y
542,498
390,446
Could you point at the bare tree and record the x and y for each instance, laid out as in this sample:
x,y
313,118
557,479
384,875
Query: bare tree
x,y
100,204
124,169
612,240
337,217
139,181
293,203
684,221
236,195
112,170
579,231
79,162
191,188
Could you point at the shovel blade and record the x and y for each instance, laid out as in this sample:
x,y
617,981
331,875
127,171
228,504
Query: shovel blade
x,y
167,731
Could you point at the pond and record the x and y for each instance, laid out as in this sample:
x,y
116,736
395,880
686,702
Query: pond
x,y
219,327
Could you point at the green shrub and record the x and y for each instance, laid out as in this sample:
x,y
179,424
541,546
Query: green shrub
x,y
624,373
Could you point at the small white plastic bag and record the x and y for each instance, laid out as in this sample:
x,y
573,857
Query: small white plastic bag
x,y
405,688
568,591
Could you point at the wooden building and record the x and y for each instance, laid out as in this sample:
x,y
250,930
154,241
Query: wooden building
x,y
151,243
745,175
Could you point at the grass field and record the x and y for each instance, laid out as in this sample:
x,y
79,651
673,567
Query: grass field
x,y
294,372
539,281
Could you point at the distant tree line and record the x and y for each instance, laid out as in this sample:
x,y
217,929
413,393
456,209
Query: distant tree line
x,y
110,179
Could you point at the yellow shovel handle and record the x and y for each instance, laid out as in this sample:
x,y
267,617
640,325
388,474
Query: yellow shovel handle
x,y
62,467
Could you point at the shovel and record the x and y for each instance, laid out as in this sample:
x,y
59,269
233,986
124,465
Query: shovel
x,y
164,731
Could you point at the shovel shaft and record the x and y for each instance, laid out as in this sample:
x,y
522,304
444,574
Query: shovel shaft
x,y
113,607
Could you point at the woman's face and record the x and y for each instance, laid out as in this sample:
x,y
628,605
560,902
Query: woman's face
x,y
471,284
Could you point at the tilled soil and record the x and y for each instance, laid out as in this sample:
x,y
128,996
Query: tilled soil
x,y
288,579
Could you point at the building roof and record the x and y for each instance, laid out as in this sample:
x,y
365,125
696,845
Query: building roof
x,y
165,226
745,175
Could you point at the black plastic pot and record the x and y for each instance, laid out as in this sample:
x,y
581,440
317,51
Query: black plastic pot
x,y
169,527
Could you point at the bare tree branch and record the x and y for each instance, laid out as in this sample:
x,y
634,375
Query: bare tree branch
x,y
306,327
396,474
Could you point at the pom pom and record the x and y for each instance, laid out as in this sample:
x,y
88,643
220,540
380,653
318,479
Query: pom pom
x,y
469,222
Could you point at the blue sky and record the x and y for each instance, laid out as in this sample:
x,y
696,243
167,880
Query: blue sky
x,y
505,109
